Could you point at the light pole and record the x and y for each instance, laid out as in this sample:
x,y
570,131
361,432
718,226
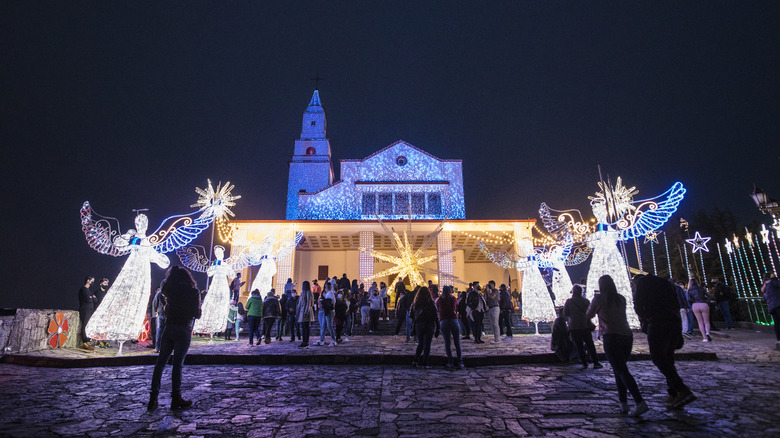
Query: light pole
x,y
767,204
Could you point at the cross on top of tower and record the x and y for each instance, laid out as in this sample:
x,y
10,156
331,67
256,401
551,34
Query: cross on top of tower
x,y
317,80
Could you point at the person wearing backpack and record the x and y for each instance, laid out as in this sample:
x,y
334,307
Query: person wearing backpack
x,y
580,327
425,325
325,317
271,312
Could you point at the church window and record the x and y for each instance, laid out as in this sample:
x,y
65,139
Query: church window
x,y
311,151
418,204
369,204
313,123
434,204
401,160
386,203
401,203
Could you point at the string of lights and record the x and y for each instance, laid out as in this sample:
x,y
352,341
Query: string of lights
x,y
740,285
774,242
703,273
652,254
725,274
668,259
687,265
749,280
760,257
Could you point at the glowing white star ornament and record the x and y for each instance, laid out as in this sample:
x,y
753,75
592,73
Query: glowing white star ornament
x,y
764,235
729,248
651,236
749,236
699,243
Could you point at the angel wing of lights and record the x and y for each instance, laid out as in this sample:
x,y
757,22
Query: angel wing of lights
x,y
193,258
650,214
181,231
99,232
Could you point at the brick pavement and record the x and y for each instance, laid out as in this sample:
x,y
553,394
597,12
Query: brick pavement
x,y
738,395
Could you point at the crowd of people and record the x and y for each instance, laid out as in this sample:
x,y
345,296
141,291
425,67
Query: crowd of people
x,y
666,310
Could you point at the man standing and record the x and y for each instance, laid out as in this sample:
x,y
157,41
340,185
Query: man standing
x,y
477,306
506,306
100,293
158,316
316,291
87,302
723,294
492,299
235,288
656,306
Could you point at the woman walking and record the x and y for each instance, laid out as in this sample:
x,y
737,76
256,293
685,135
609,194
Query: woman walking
x,y
610,307
304,313
700,303
182,308
447,306
425,319
254,313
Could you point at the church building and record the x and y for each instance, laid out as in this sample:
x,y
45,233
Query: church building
x,y
398,184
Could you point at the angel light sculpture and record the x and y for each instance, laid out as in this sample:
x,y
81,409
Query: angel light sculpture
x,y
537,305
268,253
619,218
120,316
216,305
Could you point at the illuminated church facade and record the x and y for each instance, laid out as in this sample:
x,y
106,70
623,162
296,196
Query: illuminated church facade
x,y
338,218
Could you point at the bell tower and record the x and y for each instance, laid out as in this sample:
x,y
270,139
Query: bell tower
x,y
310,169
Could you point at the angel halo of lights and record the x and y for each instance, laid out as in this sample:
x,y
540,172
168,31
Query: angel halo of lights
x,y
120,316
219,200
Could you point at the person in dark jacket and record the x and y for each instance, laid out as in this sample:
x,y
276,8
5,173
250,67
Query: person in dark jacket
x,y
579,327
271,311
656,305
344,282
182,307
401,310
476,303
339,316
465,324
506,306
425,324
254,314
280,326
723,295
292,304
447,306
87,302
771,290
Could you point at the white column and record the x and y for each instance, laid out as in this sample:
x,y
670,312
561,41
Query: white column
x,y
284,266
366,262
446,265
521,233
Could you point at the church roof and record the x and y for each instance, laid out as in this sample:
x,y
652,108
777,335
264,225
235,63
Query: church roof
x,y
399,142
315,106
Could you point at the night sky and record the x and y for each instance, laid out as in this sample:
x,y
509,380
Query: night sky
x,y
134,105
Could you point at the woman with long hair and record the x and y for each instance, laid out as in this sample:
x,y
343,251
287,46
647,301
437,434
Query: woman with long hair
x,y
425,319
304,313
618,338
700,304
181,309
447,305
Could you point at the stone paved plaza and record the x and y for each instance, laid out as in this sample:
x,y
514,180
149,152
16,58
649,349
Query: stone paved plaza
x,y
738,395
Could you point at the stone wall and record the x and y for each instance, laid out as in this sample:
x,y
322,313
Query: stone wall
x,y
27,330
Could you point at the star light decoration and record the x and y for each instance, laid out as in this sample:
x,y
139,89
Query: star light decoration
x,y
651,236
764,235
409,262
749,236
699,243
220,200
